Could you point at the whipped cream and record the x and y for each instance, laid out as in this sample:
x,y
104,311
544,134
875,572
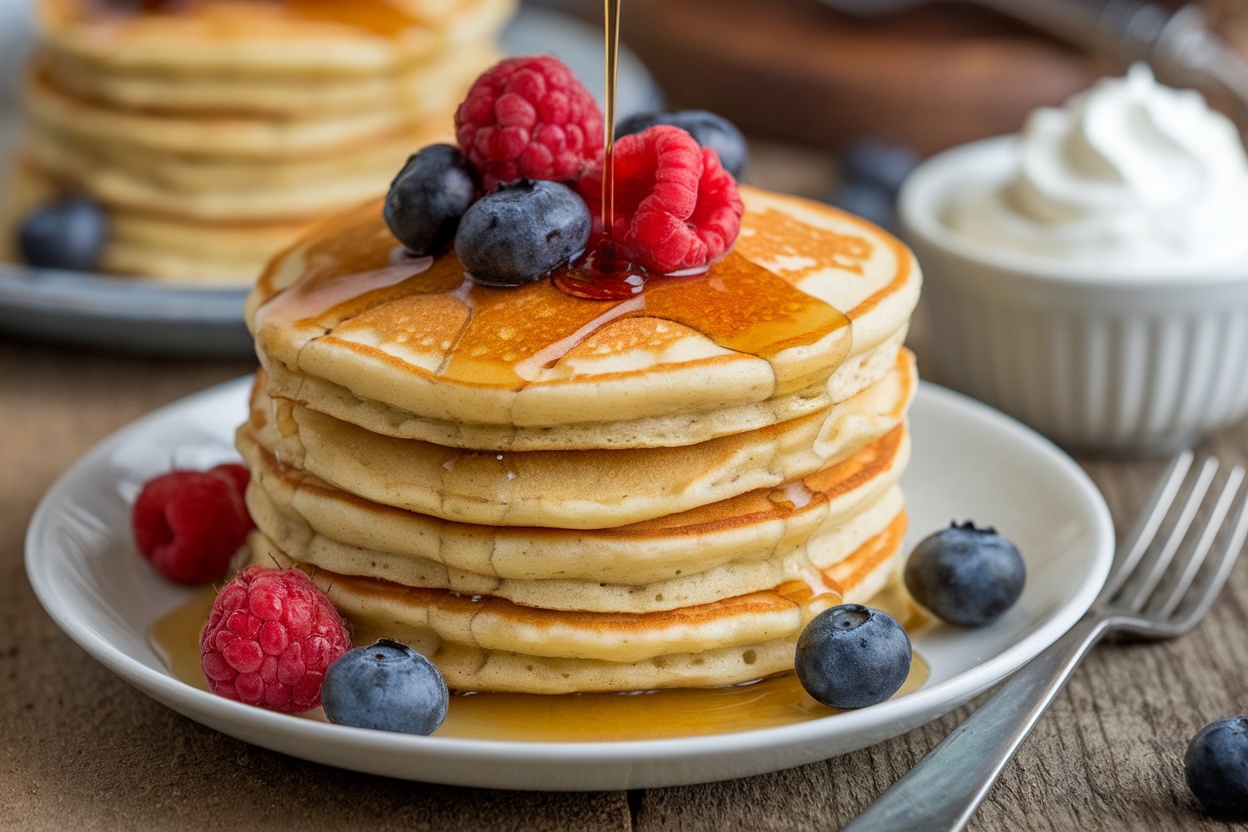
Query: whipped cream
x,y
1129,173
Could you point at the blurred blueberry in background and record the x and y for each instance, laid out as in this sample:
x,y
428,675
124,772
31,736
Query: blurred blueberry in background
x,y
871,175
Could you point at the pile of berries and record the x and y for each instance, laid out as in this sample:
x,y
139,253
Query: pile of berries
x,y
520,195
273,638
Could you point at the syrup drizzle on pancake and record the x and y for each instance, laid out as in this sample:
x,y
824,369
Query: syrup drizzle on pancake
x,y
511,333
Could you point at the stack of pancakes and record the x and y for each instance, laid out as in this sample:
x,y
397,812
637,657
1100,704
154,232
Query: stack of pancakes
x,y
215,132
549,494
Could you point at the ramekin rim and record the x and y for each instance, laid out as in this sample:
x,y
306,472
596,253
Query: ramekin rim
x,y
929,183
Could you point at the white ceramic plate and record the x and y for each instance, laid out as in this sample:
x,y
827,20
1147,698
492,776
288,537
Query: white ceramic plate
x,y
969,462
207,322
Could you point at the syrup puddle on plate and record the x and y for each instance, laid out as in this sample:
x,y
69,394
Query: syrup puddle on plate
x,y
582,717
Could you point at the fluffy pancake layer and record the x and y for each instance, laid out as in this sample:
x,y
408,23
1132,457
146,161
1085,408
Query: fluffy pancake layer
x,y
237,124
417,337
224,39
741,544
488,643
586,489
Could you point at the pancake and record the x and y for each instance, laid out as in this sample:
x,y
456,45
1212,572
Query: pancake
x,y
487,643
644,432
176,173
234,135
831,545
299,190
264,90
770,532
586,489
317,38
757,326
214,133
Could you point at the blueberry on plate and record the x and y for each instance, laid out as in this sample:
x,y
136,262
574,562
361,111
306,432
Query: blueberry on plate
x,y
69,233
1216,765
428,198
521,231
851,656
707,128
965,575
387,686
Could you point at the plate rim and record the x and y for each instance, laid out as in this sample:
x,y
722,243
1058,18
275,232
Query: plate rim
x,y
662,762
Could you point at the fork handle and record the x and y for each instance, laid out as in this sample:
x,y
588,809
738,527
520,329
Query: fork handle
x,y
942,791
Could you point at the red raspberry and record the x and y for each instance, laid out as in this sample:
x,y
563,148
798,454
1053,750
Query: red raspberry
x,y
269,638
529,118
189,524
675,206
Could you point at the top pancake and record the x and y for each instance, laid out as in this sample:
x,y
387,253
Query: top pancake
x,y
806,290
234,37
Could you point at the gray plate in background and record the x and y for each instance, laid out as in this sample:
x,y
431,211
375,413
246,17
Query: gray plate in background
x,y
131,315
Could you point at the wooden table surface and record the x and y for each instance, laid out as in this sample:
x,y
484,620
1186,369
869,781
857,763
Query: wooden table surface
x,y
81,749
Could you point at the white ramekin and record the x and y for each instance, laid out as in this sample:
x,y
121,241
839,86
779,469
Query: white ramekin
x,y
1143,363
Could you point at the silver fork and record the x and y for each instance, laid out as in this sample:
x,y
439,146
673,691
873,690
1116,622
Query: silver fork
x,y
943,790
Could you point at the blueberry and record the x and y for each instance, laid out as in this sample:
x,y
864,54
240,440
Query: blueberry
x,y
69,233
428,197
521,231
852,656
871,202
707,128
1216,764
878,163
387,686
964,575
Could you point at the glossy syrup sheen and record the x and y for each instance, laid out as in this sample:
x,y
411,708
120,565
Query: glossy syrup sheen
x,y
352,267
582,717
378,17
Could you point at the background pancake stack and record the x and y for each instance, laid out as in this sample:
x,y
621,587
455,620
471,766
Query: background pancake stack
x,y
549,494
215,131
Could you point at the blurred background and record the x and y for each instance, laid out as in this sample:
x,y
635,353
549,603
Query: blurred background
x,y
804,72
921,75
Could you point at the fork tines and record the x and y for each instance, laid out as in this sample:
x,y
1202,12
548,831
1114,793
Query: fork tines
x,y
1163,572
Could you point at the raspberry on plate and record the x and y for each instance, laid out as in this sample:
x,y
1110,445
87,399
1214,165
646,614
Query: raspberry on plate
x,y
189,524
269,639
676,208
529,118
